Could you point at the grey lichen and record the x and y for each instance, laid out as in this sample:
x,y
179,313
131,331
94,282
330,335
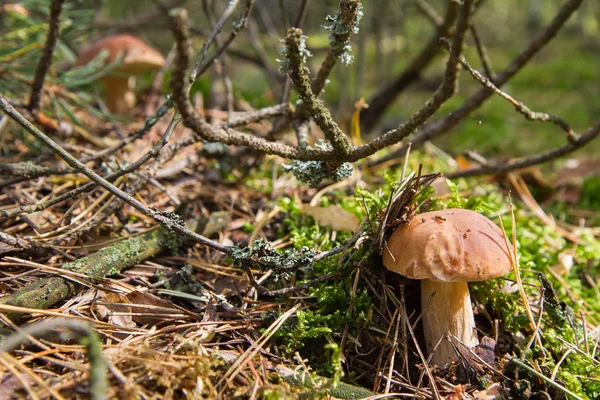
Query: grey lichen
x,y
303,53
342,24
214,148
261,255
313,172
342,172
174,219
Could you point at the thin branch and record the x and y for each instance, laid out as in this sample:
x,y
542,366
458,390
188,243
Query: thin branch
x,y
429,12
483,56
209,40
220,63
232,35
437,128
384,97
540,158
302,133
237,121
301,14
258,115
152,153
27,170
166,155
520,107
341,29
166,220
191,119
30,247
261,60
43,66
446,90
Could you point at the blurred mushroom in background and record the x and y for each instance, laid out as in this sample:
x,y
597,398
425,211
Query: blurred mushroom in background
x,y
133,57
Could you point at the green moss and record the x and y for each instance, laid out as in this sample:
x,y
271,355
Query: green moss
x,y
248,227
334,308
590,190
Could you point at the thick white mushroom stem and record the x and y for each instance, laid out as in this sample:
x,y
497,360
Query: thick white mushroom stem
x,y
448,311
120,98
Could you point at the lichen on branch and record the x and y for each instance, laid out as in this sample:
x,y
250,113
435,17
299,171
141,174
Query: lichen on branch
x,y
344,23
298,73
313,172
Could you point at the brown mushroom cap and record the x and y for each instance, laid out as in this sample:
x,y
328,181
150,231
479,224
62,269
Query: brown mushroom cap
x,y
453,245
137,56
14,8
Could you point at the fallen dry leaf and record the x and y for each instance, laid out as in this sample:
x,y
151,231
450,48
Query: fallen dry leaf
x,y
108,309
332,216
494,392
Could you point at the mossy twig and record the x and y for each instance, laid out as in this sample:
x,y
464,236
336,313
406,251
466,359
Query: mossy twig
x,y
317,110
46,292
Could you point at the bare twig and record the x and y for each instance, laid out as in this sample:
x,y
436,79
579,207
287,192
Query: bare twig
x,y
211,37
302,133
384,97
27,170
152,153
520,107
200,69
262,59
442,126
168,221
167,154
446,90
301,14
43,66
30,247
483,56
427,10
438,127
540,158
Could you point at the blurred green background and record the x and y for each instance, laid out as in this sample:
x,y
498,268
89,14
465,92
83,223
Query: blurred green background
x,y
563,79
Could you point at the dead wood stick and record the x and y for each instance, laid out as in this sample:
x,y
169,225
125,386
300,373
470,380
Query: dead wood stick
x,y
110,260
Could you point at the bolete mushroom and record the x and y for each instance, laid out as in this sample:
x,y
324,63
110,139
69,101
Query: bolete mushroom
x,y
446,249
14,8
135,57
